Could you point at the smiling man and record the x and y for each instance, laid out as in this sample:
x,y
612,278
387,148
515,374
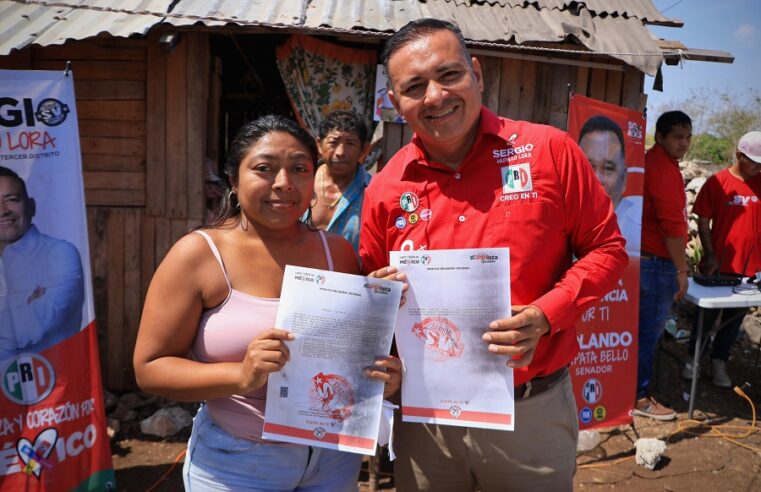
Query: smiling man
x,y
471,179
602,141
41,279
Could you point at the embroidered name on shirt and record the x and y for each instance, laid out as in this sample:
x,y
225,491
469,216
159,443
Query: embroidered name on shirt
x,y
516,178
512,153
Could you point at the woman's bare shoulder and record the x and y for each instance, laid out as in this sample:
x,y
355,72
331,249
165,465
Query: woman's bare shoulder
x,y
344,257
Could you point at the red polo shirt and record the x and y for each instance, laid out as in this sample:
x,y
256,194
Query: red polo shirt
x,y
664,208
524,186
734,207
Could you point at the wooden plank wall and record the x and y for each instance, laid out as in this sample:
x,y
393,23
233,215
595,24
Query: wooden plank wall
x,y
536,91
142,131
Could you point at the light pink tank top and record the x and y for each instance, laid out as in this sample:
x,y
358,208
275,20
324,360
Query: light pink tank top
x,y
224,333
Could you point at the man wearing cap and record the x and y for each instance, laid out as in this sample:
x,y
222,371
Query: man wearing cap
x,y
454,186
728,207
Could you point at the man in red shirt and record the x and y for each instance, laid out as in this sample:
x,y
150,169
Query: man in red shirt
x,y
470,179
663,266
729,224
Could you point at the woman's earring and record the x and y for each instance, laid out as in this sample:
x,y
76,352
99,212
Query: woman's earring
x,y
230,195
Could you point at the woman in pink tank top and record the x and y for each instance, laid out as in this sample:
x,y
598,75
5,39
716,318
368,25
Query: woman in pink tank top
x,y
207,331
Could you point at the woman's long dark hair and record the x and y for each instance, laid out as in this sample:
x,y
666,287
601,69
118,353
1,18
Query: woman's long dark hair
x,y
247,136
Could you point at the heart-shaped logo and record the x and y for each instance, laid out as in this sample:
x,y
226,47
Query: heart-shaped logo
x,y
34,455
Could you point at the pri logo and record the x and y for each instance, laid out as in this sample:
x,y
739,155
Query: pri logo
x,y
425,260
592,391
455,411
516,178
320,279
28,379
409,202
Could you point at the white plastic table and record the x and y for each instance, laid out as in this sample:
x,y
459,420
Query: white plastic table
x,y
714,298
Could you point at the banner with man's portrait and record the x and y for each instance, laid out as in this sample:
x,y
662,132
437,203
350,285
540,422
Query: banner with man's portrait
x,y
604,372
52,420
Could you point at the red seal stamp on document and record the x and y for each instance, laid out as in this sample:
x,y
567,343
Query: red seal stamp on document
x,y
441,337
334,395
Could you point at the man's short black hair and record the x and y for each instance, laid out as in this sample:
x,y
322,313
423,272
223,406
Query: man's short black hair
x,y
600,123
344,121
668,120
417,29
10,173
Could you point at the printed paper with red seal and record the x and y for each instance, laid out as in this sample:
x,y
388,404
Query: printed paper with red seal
x,y
322,396
450,377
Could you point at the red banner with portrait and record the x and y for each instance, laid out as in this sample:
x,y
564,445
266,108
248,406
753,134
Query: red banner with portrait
x,y
604,373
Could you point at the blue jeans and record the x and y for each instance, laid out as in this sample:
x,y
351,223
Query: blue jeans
x,y
217,460
657,286
731,321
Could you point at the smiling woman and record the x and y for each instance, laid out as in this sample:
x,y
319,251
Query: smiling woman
x,y
215,297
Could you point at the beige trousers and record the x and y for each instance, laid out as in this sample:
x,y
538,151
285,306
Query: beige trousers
x,y
539,455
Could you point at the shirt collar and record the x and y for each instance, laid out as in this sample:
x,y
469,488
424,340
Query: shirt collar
x,y
661,151
414,153
25,243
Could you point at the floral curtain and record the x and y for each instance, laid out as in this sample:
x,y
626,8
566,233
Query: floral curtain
x,y
321,77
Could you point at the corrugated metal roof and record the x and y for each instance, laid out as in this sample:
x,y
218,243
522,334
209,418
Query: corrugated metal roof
x,y
23,24
643,10
618,32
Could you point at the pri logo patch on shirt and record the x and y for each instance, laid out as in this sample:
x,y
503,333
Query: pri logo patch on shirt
x,y
516,178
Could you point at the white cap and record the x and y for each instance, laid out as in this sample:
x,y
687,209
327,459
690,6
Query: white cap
x,y
750,145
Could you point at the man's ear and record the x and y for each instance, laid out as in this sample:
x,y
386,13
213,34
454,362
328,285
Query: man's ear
x,y
478,72
32,207
658,138
365,151
394,102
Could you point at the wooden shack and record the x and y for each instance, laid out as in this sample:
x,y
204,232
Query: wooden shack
x,y
151,112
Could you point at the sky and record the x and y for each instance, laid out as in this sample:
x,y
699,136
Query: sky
x,y
725,25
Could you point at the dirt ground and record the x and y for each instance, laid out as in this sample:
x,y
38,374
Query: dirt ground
x,y
694,458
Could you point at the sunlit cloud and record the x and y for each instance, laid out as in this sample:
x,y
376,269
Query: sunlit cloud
x,y
746,33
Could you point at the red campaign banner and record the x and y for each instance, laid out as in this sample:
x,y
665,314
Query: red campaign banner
x,y
52,419
604,372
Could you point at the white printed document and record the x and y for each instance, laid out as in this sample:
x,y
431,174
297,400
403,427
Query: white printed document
x,y
322,396
450,377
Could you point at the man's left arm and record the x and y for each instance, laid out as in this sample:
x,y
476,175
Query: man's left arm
x,y
58,295
596,241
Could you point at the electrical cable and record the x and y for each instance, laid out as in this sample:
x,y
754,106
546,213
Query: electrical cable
x,y
690,426
167,473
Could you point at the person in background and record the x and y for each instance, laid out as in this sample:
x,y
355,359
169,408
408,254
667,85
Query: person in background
x,y
207,330
455,186
728,207
42,288
340,180
663,266
602,141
